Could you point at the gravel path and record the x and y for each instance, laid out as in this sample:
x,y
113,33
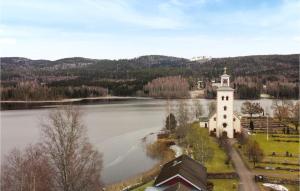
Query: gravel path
x,y
247,182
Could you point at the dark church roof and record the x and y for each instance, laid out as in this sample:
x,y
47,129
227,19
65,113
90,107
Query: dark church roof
x,y
178,187
186,168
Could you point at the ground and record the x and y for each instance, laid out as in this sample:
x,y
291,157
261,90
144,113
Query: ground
x,y
279,159
217,163
225,184
246,176
143,187
279,145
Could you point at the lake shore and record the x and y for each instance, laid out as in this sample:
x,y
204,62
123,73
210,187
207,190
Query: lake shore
x,y
25,104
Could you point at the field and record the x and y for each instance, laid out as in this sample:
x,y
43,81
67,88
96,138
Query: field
x,y
225,184
143,187
276,146
281,155
217,163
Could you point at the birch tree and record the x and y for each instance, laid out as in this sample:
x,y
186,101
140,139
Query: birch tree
x,y
76,164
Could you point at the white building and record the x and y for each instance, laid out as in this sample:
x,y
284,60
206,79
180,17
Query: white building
x,y
224,121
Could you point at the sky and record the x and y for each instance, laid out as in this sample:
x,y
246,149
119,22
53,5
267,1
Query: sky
x,y
115,29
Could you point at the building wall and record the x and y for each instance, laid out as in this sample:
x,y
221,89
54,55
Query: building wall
x,y
237,124
202,123
212,123
228,113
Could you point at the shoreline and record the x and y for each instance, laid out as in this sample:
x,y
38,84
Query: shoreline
x,y
22,104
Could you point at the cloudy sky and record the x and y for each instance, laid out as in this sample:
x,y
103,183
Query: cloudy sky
x,y
53,29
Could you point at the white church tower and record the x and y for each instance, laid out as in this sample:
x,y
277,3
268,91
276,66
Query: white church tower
x,y
224,120
225,107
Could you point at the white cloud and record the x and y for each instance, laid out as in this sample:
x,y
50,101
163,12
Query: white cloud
x,y
7,41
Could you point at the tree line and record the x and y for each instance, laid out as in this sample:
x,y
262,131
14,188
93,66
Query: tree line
x,y
168,87
128,76
33,90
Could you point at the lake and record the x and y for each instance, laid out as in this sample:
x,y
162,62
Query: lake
x,y
116,129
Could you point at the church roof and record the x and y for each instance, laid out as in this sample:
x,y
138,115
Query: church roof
x,y
225,75
225,88
203,119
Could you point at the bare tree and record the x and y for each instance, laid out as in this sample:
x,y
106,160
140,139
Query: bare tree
x,y
27,171
168,87
198,140
281,109
255,153
212,107
197,109
294,116
77,166
251,108
183,118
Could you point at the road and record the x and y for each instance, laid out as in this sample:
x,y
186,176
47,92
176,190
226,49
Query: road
x,y
247,182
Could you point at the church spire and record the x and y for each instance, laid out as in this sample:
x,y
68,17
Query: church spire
x,y
225,78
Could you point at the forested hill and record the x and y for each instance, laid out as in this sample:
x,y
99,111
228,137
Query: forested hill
x,y
126,76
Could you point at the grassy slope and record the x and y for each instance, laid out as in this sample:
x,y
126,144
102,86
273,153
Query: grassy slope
x,y
217,164
225,184
143,187
277,147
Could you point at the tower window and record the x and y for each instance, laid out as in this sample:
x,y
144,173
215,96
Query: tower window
x,y
215,119
227,97
224,116
224,125
225,108
233,119
222,97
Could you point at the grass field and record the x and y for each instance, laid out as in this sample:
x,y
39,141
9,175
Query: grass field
x,y
274,146
280,148
225,184
217,164
143,187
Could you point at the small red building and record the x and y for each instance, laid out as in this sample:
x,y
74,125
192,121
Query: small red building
x,y
182,171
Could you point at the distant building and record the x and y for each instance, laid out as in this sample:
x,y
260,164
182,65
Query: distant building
x,y
182,174
201,58
204,122
224,120
200,84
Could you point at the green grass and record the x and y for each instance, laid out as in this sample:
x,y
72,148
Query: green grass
x,y
279,148
274,146
143,187
217,163
225,184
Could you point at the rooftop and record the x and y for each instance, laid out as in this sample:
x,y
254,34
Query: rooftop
x,y
185,167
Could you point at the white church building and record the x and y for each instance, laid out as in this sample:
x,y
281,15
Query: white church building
x,y
224,120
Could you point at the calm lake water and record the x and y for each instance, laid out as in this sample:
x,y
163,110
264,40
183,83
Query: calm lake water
x,y
116,129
